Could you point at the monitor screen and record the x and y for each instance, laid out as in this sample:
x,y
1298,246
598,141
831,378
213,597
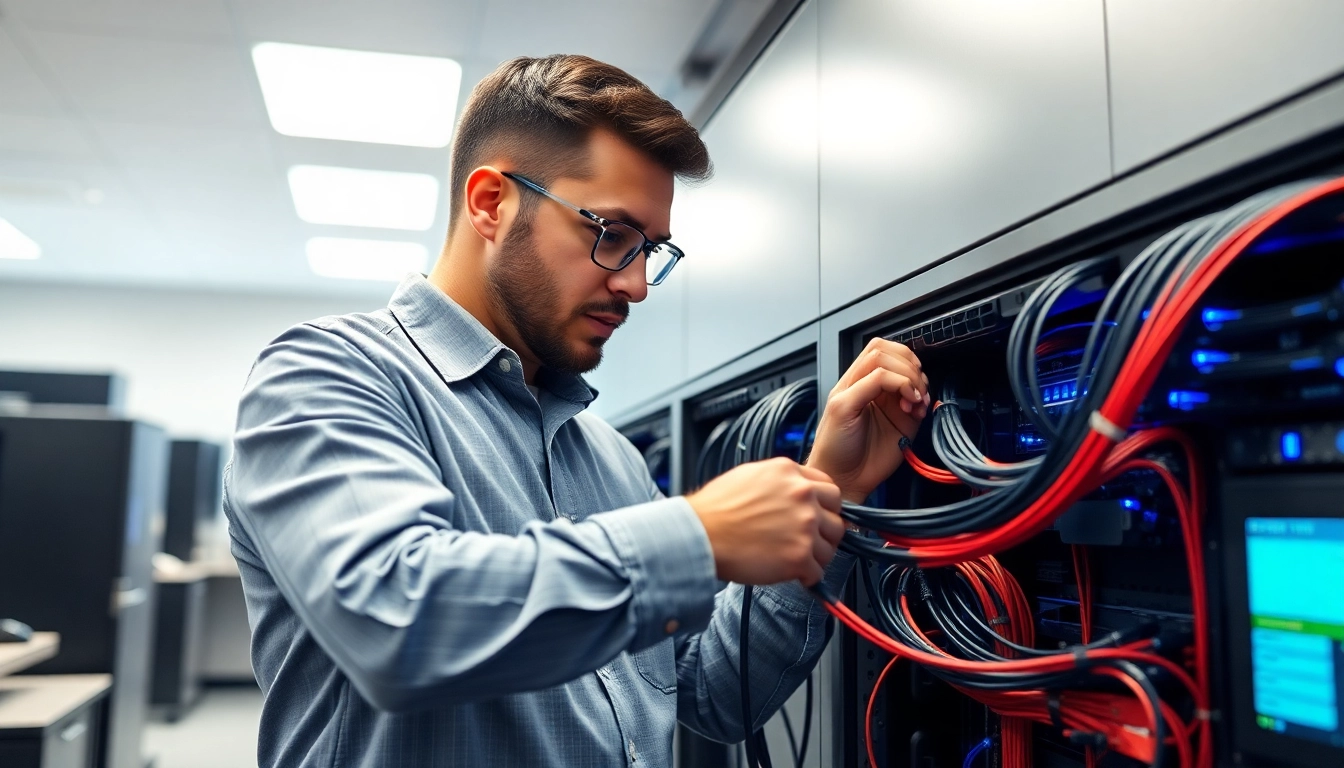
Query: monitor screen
x,y
1296,597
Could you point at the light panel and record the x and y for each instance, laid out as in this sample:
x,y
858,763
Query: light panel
x,y
380,98
16,245
360,198
352,259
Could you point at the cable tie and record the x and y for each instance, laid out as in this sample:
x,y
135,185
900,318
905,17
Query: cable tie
x,y
1106,428
940,403
1052,706
1079,654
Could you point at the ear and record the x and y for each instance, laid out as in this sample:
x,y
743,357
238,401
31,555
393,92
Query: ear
x,y
486,208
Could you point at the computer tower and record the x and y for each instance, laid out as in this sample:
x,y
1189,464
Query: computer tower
x,y
194,472
81,515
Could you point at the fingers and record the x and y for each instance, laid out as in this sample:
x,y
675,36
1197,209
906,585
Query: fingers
x,y
814,474
850,404
813,574
831,527
887,354
823,552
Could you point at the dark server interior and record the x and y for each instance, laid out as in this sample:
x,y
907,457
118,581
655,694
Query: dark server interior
x,y
1240,591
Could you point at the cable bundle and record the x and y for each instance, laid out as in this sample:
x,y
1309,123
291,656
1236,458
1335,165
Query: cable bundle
x,y
755,436
942,580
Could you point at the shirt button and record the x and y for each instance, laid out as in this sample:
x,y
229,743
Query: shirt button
x,y
505,365
671,626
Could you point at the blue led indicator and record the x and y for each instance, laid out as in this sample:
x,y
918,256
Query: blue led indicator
x,y
1130,503
1204,357
1214,318
1307,364
1310,308
1186,400
1339,441
1150,518
1339,366
1290,445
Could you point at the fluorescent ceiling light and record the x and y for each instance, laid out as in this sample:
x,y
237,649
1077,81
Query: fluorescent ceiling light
x,y
357,198
16,245
382,98
351,259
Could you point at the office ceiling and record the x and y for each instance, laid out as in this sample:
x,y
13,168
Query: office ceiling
x,y
135,147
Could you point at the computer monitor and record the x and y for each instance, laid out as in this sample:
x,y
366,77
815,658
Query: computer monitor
x,y
1285,536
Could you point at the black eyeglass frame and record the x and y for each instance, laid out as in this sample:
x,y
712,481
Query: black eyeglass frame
x,y
604,223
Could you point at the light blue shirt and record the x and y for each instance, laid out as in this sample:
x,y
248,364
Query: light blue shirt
x,y
443,570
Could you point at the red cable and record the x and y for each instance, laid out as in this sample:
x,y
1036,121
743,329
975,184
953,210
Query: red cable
x,y
929,471
868,716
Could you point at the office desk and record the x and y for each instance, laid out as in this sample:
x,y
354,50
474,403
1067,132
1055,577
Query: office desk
x,y
16,657
51,721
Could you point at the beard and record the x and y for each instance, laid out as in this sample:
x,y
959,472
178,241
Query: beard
x,y
525,291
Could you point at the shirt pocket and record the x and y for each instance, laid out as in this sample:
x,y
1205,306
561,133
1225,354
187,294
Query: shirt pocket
x,y
657,664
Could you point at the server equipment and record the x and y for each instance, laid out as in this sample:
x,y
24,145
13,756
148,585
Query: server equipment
x,y
81,514
770,412
1118,538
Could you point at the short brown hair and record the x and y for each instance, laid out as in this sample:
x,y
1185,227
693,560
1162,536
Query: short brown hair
x,y
540,112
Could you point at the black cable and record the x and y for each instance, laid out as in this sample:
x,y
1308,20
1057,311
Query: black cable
x,y
744,680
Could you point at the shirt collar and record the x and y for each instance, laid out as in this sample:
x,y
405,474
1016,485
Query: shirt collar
x,y
459,346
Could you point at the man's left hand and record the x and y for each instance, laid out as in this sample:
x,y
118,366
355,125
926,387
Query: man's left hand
x,y
881,398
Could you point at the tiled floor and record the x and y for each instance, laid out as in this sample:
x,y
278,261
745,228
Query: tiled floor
x,y
219,732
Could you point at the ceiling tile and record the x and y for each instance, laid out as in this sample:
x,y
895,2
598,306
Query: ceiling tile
x,y
21,91
44,138
188,148
115,78
165,19
425,27
650,36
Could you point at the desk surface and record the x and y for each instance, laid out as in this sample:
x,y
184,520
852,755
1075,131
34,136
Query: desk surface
x,y
37,701
16,657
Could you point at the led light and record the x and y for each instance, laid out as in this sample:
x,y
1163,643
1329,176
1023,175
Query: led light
x,y
1149,519
1339,441
1203,357
1130,503
16,245
358,198
1339,366
1290,445
1307,363
1214,318
351,259
381,98
1186,400
1310,308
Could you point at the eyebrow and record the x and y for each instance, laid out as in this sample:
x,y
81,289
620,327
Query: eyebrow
x,y
622,215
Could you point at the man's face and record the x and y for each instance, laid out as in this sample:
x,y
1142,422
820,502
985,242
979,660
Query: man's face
x,y
563,307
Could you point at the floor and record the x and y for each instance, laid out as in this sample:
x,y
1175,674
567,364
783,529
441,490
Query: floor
x,y
219,732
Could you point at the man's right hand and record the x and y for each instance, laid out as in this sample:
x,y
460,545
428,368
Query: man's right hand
x,y
770,521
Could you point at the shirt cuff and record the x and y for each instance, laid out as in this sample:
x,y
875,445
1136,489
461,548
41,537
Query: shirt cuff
x,y
797,599
666,551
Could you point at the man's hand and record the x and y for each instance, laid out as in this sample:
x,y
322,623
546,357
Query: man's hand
x,y
770,521
881,398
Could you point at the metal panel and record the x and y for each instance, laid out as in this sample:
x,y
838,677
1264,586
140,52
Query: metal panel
x,y
750,235
946,121
1181,70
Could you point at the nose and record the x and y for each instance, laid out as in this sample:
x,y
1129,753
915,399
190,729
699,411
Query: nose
x,y
630,283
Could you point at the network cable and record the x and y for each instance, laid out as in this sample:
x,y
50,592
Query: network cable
x,y
941,579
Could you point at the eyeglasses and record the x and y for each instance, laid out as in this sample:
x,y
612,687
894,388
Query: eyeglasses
x,y
618,243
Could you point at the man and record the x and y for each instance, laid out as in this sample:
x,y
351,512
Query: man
x,y
448,563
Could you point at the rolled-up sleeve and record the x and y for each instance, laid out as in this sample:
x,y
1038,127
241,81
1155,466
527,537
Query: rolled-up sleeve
x,y
343,504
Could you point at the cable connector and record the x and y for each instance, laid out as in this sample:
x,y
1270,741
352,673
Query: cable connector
x,y
925,593
1106,428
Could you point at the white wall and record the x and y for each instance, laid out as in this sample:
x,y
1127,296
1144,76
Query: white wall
x,y
185,355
